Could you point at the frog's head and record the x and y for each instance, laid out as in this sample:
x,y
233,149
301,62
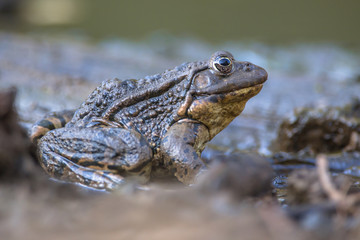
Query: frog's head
x,y
220,92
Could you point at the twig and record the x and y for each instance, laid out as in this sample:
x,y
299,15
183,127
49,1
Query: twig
x,y
353,142
325,180
343,202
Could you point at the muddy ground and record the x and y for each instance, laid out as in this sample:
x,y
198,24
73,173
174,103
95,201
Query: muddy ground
x,y
257,187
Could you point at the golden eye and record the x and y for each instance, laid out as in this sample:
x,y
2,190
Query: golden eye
x,y
223,64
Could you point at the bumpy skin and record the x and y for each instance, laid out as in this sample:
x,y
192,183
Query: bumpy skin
x,y
157,124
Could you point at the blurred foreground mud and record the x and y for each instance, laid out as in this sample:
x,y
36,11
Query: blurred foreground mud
x,y
292,194
17,161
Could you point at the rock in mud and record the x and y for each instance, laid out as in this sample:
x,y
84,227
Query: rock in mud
x,y
325,130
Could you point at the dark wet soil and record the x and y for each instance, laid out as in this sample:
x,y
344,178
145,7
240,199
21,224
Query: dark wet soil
x,y
252,190
325,130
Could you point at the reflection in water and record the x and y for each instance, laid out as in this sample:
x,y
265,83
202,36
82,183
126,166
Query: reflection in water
x,y
51,12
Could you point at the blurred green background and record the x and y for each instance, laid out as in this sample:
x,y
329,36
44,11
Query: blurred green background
x,y
272,22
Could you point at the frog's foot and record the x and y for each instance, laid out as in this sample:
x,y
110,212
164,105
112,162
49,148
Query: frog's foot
x,y
70,171
189,174
95,157
196,177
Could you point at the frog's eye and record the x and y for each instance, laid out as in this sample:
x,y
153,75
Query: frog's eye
x,y
223,64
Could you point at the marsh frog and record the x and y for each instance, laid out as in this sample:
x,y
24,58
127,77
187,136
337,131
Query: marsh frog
x,y
139,127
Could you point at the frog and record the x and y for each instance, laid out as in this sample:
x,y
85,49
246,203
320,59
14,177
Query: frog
x,y
137,129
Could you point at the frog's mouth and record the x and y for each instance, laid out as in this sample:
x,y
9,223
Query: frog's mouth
x,y
233,84
228,89
242,94
226,97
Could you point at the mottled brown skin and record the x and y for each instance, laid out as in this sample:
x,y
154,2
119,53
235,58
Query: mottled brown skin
x,y
135,128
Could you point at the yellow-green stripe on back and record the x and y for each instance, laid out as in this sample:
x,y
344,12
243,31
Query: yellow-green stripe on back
x,y
51,121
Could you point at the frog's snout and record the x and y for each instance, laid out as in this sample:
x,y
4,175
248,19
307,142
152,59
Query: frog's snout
x,y
260,74
263,74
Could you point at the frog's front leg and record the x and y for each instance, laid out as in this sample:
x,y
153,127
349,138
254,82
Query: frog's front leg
x,y
182,146
95,157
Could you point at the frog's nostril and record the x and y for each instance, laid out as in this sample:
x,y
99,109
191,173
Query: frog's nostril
x,y
247,67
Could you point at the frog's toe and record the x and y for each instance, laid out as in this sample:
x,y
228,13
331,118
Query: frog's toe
x,y
189,176
105,180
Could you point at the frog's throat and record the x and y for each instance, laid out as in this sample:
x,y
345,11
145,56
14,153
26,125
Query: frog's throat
x,y
235,96
217,111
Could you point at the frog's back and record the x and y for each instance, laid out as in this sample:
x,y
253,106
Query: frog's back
x,y
114,95
100,99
